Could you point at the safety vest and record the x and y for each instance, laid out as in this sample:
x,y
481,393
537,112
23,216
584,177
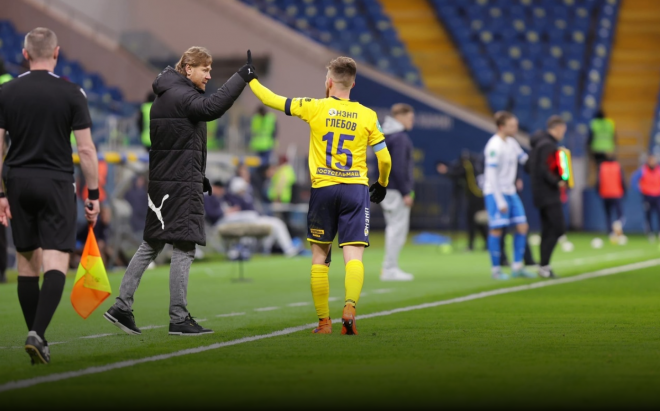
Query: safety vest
x,y
649,184
5,78
263,130
603,135
146,113
211,135
281,185
609,178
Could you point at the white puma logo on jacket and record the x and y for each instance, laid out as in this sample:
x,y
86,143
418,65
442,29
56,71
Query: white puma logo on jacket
x,y
157,210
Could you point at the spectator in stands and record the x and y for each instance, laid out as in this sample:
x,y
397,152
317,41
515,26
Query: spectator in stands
x,y
280,188
263,131
399,199
612,188
239,208
648,182
468,172
602,137
4,76
136,196
143,120
547,188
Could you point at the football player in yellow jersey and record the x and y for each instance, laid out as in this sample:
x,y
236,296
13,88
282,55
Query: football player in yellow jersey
x,y
341,130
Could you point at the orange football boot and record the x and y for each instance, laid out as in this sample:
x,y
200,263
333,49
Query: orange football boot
x,y
348,321
325,327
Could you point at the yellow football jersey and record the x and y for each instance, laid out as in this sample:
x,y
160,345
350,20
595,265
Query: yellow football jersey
x,y
340,131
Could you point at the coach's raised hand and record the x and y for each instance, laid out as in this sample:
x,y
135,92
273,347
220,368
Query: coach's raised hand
x,y
247,72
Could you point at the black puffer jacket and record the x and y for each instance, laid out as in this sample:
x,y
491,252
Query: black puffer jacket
x,y
545,182
177,160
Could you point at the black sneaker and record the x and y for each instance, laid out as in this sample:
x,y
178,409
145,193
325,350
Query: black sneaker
x,y
37,349
188,327
124,320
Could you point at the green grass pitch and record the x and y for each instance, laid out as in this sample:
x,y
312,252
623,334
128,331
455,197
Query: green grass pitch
x,y
589,344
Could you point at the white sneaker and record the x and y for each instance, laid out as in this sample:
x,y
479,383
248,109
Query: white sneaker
x,y
395,275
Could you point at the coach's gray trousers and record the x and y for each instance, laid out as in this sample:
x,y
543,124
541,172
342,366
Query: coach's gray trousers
x,y
182,257
397,224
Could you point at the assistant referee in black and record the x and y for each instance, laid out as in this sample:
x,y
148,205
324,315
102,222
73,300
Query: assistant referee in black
x,y
38,110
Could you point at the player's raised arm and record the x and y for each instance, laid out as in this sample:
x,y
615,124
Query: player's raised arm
x,y
269,98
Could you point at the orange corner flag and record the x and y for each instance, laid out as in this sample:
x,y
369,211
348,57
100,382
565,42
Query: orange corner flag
x,y
91,286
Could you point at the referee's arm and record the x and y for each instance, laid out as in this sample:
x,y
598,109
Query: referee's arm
x,y
5,213
89,164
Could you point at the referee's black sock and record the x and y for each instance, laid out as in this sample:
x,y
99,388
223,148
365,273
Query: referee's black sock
x,y
28,296
49,299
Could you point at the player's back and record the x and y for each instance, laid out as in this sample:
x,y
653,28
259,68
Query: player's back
x,y
503,155
340,131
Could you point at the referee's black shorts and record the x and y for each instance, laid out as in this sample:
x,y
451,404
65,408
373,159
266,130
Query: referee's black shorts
x,y
43,211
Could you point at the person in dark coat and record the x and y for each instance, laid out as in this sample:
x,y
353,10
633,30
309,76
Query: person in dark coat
x,y
467,173
546,188
177,163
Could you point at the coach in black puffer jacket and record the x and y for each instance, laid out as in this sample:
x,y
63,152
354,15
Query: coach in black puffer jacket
x,y
177,160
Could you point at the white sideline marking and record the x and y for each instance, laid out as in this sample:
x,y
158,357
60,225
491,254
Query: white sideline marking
x,y
382,290
302,304
13,385
152,327
229,315
599,258
331,299
57,342
98,335
266,309
201,320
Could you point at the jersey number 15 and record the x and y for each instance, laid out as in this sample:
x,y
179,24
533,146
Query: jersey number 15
x,y
329,138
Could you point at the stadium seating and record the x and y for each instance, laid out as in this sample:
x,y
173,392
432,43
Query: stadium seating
x,y
535,57
654,141
100,95
358,28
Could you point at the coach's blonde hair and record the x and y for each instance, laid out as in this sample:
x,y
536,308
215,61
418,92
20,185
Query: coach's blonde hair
x,y
343,71
194,57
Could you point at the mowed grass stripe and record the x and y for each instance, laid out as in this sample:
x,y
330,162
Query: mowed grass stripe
x,y
13,385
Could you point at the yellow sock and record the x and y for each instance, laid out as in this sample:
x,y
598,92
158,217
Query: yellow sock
x,y
354,281
321,290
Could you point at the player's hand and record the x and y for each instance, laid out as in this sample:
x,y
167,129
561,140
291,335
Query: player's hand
x,y
504,209
92,209
561,183
377,193
408,200
519,185
5,212
207,186
247,72
442,168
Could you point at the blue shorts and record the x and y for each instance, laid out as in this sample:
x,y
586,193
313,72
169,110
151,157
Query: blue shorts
x,y
340,208
515,213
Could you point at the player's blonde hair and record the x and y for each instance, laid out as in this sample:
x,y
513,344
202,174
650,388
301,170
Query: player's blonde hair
x,y
194,57
40,43
343,71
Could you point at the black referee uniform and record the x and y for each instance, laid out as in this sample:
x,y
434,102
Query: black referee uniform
x,y
38,110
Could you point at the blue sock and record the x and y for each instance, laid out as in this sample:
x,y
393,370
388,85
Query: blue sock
x,y
519,243
494,249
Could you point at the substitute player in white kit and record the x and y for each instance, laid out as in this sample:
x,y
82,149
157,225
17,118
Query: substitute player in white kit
x,y
503,154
